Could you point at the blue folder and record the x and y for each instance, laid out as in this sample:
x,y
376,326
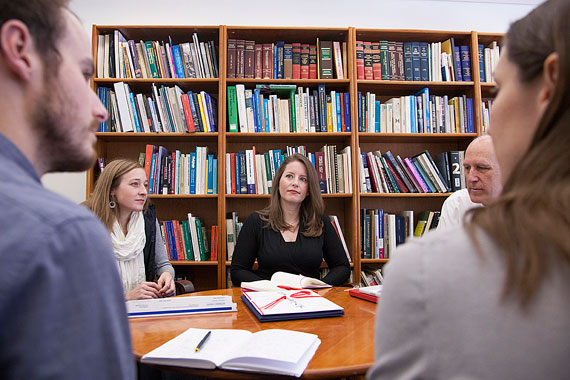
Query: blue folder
x,y
291,316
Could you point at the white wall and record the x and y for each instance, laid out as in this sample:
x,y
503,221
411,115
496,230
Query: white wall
x,y
482,16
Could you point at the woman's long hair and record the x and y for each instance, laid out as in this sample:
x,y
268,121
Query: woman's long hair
x,y
530,222
312,207
108,181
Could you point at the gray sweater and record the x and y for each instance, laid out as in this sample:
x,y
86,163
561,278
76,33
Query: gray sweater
x,y
441,316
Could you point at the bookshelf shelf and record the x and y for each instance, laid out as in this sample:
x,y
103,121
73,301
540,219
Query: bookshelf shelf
x,y
214,208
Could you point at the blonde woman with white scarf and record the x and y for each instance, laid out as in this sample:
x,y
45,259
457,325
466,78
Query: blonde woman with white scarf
x,y
120,201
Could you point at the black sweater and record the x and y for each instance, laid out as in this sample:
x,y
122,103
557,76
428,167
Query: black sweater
x,y
303,256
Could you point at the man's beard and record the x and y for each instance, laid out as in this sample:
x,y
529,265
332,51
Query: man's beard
x,y
58,147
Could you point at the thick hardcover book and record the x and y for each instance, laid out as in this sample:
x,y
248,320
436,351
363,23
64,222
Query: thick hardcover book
x,y
400,68
368,61
424,61
322,107
455,170
267,61
392,59
457,63
320,158
385,60
358,294
240,58
287,61
273,351
376,63
312,61
442,162
249,57
325,60
481,56
442,179
359,60
304,61
278,60
258,61
408,69
272,306
296,60
466,63
416,62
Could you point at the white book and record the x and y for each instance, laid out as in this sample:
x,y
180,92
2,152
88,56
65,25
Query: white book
x,y
158,307
159,107
205,64
336,225
249,115
348,155
142,109
273,351
283,280
129,57
240,97
228,174
123,106
392,234
106,56
250,171
119,39
196,47
100,55
298,112
409,214
333,109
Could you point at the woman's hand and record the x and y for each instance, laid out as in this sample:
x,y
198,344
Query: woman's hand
x,y
166,285
145,290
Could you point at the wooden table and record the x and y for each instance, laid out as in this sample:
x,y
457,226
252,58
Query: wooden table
x,y
347,347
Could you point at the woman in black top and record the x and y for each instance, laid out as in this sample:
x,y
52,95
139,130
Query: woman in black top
x,y
292,234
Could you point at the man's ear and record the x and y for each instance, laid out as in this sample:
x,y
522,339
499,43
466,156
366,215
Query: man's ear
x,y
17,48
549,78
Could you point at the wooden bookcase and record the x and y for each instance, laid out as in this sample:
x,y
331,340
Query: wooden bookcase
x,y
212,209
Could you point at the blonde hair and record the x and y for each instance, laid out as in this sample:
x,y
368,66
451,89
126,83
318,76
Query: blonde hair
x,y
312,207
108,181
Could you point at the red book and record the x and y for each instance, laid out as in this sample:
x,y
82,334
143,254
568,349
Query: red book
x,y
305,61
258,61
249,57
368,73
359,60
401,185
231,58
358,294
267,71
296,60
165,231
376,186
240,58
178,240
312,61
187,113
150,149
376,63
213,250
342,121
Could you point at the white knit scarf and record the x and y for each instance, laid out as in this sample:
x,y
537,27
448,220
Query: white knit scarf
x,y
129,251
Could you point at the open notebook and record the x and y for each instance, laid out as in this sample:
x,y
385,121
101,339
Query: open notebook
x,y
273,351
283,280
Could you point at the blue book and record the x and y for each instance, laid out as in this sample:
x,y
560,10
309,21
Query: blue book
x,y
481,54
426,114
280,54
457,63
177,172
323,107
151,179
360,126
424,61
413,113
470,121
177,61
380,213
287,54
193,173
377,116
408,69
171,240
312,159
237,175
466,63
275,69
210,110
192,99
338,113
257,110
210,174
400,230
242,172
135,112
215,175
347,111
277,158
416,62
266,114
102,94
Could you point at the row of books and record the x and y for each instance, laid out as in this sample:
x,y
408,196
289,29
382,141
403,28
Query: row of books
x,y
413,61
250,172
488,59
118,57
418,113
167,109
427,220
262,110
280,60
381,232
384,173
371,276
486,114
178,173
187,239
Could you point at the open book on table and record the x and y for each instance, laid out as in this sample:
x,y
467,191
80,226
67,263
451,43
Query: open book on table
x,y
275,351
283,280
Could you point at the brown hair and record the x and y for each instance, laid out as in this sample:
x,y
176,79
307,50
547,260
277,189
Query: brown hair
x,y
312,207
108,181
45,21
530,221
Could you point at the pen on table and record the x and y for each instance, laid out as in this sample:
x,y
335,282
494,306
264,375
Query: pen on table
x,y
203,341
